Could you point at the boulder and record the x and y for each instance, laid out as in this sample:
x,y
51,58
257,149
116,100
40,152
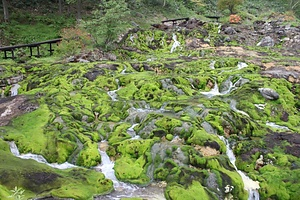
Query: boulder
x,y
229,31
269,93
266,42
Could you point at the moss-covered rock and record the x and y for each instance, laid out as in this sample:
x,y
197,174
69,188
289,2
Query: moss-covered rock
x,y
194,191
36,178
134,160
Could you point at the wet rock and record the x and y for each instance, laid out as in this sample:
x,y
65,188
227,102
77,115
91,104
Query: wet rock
x,y
266,42
93,74
285,116
11,107
229,31
269,93
280,72
168,84
278,139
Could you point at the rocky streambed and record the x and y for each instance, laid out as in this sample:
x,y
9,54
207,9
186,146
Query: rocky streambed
x,y
185,120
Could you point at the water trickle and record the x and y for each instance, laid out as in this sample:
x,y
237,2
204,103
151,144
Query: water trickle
x,y
216,92
14,89
14,150
132,132
233,107
212,64
175,44
121,189
113,94
276,126
241,65
249,185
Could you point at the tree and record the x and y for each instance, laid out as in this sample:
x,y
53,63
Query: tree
x,y
108,22
78,7
5,10
229,4
60,6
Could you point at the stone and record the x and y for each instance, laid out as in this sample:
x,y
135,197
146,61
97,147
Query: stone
x,y
229,31
269,93
259,162
266,42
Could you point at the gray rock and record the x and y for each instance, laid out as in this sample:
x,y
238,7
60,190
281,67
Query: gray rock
x,y
269,93
292,76
266,42
229,31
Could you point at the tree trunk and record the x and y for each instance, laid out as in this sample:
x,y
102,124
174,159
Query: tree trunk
x,y
5,10
60,6
78,9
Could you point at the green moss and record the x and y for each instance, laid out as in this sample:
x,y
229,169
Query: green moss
x,y
119,133
169,137
75,183
194,191
4,146
168,123
28,131
200,136
134,160
4,193
89,156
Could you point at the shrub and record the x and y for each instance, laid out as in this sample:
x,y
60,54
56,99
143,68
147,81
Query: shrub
x,y
229,4
73,41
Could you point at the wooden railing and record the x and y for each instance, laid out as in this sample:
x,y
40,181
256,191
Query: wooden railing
x,y
36,45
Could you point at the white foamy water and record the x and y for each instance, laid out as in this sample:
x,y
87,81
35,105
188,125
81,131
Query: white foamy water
x,y
215,91
274,125
113,94
14,150
121,189
175,44
14,89
249,185
233,107
241,65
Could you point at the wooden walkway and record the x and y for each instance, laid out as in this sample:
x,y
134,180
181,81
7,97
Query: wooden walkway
x,y
36,45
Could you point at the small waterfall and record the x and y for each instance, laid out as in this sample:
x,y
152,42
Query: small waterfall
x,y
113,94
175,44
276,126
123,190
249,185
241,65
14,150
233,107
132,133
14,89
229,85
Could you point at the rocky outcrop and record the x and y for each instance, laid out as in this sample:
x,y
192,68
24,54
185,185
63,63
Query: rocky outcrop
x,y
269,93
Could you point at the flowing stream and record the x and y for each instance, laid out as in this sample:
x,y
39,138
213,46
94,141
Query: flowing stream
x,y
14,150
121,189
113,94
249,185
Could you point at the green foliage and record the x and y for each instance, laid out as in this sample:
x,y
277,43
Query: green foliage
x,y
17,193
74,41
105,25
229,4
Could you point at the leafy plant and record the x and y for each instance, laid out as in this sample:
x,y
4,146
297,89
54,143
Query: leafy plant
x,y
106,23
17,193
229,4
74,41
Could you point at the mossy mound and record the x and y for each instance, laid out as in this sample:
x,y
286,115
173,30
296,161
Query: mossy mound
x,y
36,178
194,191
134,159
